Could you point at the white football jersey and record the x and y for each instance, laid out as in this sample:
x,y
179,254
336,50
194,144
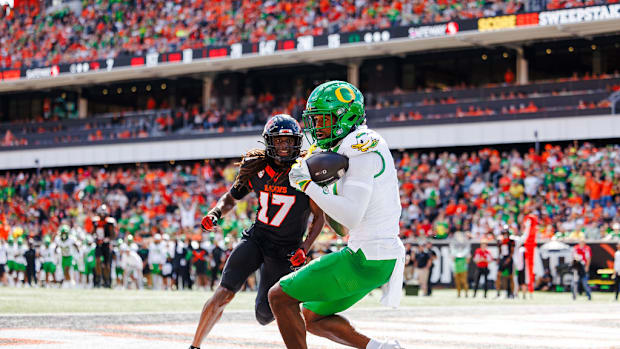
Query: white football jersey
x,y
11,252
47,253
131,261
3,253
157,253
377,234
66,246
382,216
19,254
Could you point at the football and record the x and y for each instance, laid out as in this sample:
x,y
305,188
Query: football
x,y
327,167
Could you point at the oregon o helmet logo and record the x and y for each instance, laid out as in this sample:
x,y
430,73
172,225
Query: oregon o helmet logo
x,y
341,98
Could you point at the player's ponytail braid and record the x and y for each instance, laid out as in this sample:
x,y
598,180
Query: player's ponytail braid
x,y
252,163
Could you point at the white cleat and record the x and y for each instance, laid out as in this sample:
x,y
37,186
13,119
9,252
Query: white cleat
x,y
393,344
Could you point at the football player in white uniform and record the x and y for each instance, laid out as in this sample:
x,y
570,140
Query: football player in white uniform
x,y
66,246
366,202
132,265
156,259
48,260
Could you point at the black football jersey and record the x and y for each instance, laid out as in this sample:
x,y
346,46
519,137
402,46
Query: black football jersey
x,y
283,211
104,231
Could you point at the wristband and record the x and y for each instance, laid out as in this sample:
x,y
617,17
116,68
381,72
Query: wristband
x,y
215,212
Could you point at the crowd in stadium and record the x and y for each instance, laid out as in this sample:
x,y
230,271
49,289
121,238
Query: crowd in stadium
x,y
574,190
31,37
253,110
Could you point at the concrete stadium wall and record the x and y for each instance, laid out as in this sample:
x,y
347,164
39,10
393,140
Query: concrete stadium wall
x,y
399,137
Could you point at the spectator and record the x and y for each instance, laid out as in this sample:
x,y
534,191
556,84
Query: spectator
x,y
409,262
127,27
582,256
428,247
509,76
482,258
544,283
422,266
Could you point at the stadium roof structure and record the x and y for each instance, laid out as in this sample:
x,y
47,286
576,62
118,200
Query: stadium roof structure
x,y
510,31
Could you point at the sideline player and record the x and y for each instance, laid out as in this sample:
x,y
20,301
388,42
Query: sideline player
x,y
279,228
504,261
11,254
366,201
48,260
66,244
132,265
104,233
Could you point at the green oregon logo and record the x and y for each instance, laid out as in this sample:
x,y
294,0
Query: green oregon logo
x,y
341,97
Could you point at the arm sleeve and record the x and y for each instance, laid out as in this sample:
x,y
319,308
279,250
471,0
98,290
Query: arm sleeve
x,y
348,207
238,191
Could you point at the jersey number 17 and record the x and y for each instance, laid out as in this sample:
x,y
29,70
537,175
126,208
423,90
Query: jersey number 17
x,y
285,202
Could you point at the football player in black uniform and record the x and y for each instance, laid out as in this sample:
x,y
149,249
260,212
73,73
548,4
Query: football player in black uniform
x,y
274,242
104,233
504,271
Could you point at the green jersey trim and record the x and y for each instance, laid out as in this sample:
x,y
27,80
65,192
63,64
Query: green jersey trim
x,y
382,164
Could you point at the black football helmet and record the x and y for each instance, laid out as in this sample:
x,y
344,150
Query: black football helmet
x,y
282,125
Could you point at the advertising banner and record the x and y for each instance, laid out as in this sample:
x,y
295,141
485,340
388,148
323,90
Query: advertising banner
x,y
555,260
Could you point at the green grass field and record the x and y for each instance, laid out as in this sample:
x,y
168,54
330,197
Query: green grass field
x,y
46,301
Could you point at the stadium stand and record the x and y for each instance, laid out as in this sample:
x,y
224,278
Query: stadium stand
x,y
543,99
576,189
32,37
567,97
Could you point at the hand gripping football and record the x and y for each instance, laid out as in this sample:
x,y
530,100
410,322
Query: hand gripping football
x,y
327,167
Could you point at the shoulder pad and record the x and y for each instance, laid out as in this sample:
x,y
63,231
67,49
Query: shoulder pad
x,y
110,220
95,219
361,141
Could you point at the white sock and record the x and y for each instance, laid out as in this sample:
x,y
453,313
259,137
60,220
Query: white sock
x,y
373,344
